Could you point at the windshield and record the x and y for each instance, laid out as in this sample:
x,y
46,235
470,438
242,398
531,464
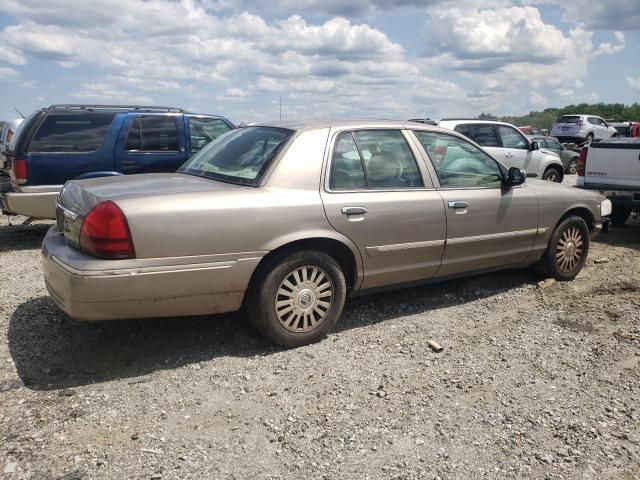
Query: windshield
x,y
571,119
239,156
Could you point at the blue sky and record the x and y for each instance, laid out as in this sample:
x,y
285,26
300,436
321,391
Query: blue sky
x,y
324,58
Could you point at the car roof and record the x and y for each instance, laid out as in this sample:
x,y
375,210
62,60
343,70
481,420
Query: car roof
x,y
471,121
301,125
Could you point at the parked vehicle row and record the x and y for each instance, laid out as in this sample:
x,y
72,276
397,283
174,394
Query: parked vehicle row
x,y
613,168
288,220
9,129
568,156
65,142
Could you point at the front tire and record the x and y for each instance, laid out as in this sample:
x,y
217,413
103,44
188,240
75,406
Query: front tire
x,y
297,299
572,168
589,138
552,174
567,250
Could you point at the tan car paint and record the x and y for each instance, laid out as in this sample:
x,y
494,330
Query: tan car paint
x,y
199,241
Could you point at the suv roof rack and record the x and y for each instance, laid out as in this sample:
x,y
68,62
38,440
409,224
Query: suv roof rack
x,y
137,108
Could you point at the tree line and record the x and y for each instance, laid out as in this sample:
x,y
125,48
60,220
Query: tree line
x,y
547,117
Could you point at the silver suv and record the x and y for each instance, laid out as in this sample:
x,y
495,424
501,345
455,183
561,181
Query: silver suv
x,y
510,146
582,128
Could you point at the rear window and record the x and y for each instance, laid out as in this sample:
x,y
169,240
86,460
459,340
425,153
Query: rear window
x,y
71,133
240,156
569,119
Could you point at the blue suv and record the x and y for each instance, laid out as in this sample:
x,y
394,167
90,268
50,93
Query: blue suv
x,y
65,142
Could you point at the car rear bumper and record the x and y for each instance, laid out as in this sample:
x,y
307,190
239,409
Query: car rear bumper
x,y
36,202
570,139
85,293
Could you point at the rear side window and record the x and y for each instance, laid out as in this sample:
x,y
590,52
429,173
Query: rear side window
x,y
374,159
71,133
204,130
153,133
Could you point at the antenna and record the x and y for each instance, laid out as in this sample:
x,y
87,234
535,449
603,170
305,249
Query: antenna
x,y
19,112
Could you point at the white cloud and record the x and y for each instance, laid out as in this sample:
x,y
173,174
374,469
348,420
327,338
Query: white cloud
x,y
8,72
634,83
610,15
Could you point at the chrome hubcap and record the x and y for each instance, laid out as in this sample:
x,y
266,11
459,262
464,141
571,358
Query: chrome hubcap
x,y
303,299
569,249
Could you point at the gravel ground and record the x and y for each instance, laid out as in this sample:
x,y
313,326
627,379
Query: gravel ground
x,y
533,383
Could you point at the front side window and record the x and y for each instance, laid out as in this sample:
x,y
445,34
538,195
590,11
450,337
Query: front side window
x,y
553,144
239,156
153,133
205,130
75,133
594,120
373,159
511,138
458,163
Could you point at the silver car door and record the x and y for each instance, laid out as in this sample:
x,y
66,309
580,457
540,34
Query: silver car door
x,y
378,195
488,225
516,148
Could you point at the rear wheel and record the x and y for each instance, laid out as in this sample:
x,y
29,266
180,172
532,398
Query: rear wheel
x,y
620,215
297,298
552,174
567,250
572,168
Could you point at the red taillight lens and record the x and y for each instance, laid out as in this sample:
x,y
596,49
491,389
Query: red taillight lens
x,y
105,232
582,161
579,124
20,170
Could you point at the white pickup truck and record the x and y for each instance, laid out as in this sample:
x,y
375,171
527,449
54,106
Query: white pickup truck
x,y
613,168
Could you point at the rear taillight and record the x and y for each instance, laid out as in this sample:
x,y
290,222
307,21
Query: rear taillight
x,y
105,232
579,124
20,170
582,161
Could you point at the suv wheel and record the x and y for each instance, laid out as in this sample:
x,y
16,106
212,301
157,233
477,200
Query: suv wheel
x,y
567,250
297,298
589,138
552,174
572,168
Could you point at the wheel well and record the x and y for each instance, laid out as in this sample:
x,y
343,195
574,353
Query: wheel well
x,y
558,169
338,250
583,213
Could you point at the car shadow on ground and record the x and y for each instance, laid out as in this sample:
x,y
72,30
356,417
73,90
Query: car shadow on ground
x,y
52,351
22,237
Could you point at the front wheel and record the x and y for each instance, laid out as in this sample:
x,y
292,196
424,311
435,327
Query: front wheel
x,y
552,174
572,168
296,299
589,138
567,250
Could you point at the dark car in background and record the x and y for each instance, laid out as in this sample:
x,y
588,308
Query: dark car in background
x,y
568,156
65,142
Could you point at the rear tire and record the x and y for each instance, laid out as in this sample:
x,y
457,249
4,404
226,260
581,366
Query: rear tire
x,y
297,298
552,174
619,216
567,250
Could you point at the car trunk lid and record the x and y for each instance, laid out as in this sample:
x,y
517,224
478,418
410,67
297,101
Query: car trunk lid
x,y
79,197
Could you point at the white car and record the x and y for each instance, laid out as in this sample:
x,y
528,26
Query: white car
x,y
582,128
509,146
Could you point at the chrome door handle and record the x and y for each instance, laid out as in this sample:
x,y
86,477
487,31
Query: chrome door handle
x,y
508,155
353,210
458,204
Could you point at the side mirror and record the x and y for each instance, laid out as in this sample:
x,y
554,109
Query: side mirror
x,y
534,146
516,176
